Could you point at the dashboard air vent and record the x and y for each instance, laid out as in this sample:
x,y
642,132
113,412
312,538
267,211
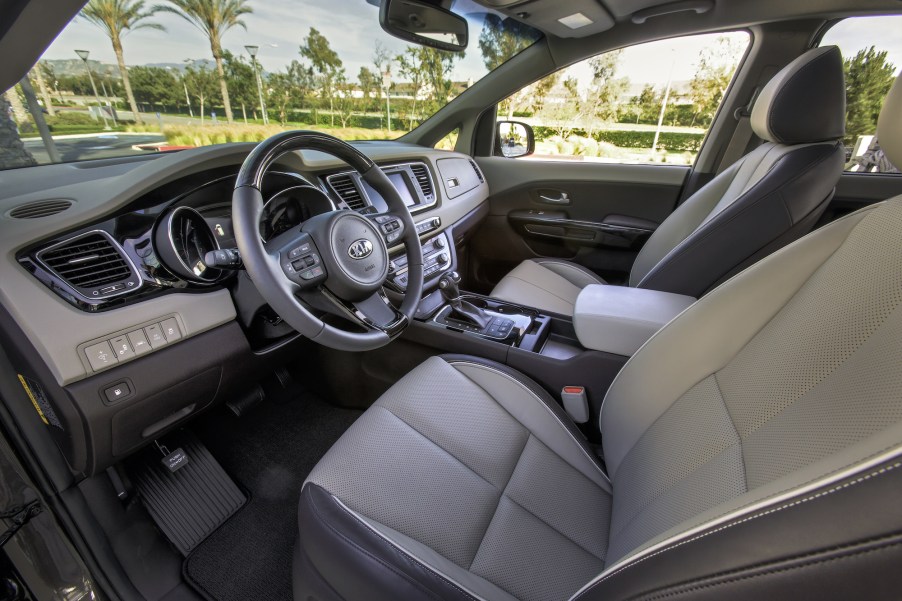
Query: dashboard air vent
x,y
345,186
40,208
425,182
92,264
478,172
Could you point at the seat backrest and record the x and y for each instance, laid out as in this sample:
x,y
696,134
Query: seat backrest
x,y
764,424
769,197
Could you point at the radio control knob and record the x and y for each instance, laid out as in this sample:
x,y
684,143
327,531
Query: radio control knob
x,y
435,222
443,258
439,242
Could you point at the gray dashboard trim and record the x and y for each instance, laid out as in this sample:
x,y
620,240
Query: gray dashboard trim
x,y
99,189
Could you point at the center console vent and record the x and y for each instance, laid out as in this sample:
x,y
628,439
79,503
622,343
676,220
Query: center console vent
x,y
92,264
347,189
423,180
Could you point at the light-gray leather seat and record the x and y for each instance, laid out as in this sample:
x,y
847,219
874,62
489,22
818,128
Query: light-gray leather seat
x,y
752,450
765,200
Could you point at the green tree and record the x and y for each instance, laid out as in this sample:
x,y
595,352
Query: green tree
x,y
648,104
241,81
214,18
502,38
116,18
201,84
427,69
604,91
155,85
326,64
713,73
869,77
289,89
369,86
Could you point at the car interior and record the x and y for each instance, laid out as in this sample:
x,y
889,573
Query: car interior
x,y
317,369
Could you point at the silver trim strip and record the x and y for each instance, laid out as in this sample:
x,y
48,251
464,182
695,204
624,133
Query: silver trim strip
x,y
690,534
116,246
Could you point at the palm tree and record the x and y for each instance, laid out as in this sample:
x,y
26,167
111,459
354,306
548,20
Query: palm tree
x,y
214,18
116,18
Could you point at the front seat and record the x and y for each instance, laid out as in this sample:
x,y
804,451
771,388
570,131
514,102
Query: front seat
x,y
765,200
752,450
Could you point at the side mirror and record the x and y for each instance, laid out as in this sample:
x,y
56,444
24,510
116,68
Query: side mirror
x,y
425,24
514,139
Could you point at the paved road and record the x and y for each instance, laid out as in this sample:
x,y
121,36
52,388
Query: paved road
x,y
94,146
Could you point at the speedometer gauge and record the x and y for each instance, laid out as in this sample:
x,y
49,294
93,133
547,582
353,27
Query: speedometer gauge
x,y
290,208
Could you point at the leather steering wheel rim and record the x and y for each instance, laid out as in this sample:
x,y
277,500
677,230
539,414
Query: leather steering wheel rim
x,y
280,285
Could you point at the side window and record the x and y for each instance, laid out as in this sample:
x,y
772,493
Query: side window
x,y
872,54
650,103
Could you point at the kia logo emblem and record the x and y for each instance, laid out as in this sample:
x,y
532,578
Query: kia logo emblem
x,y
360,249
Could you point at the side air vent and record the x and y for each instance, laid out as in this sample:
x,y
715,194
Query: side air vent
x,y
93,264
346,188
423,180
478,172
40,208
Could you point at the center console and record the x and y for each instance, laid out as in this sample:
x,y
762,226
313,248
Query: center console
x,y
437,256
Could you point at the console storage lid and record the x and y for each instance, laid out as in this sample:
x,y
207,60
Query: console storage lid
x,y
618,320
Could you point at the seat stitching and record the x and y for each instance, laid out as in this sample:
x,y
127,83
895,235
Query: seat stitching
x,y
681,589
497,505
749,518
567,265
723,400
438,446
512,500
547,408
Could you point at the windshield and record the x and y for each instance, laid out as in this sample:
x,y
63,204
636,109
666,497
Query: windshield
x,y
132,77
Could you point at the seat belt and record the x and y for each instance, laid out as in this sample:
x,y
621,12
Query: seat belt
x,y
742,135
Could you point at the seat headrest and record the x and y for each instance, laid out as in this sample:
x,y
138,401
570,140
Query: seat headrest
x,y
889,124
805,102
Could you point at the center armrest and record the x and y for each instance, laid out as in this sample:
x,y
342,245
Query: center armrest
x,y
618,320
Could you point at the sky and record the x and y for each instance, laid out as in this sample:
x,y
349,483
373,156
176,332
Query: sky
x,y
352,27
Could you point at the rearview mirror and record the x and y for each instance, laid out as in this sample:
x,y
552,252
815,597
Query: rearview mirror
x,y
425,24
514,139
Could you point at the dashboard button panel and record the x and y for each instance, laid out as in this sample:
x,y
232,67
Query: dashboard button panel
x,y
131,343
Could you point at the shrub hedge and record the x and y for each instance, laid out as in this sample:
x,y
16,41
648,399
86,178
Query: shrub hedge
x,y
671,141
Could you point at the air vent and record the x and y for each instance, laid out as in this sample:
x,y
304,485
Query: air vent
x,y
40,208
478,172
92,264
346,188
425,182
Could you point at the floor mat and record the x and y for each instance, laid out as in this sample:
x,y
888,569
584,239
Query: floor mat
x,y
269,452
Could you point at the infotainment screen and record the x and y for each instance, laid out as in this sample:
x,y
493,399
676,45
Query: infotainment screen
x,y
400,181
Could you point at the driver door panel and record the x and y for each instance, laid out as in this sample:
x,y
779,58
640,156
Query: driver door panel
x,y
597,215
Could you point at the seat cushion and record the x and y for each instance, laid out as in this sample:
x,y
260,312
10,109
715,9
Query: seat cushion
x,y
472,470
547,284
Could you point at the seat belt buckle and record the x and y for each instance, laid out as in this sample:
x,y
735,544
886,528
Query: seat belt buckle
x,y
576,403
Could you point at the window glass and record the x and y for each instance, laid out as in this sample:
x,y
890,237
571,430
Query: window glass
x,y
139,77
872,55
652,102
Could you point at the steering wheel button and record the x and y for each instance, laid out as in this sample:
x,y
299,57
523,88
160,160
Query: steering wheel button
x,y
294,254
298,265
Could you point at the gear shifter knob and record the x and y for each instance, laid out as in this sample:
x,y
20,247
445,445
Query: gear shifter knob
x,y
449,284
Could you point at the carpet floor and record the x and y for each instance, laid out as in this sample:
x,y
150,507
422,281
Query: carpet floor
x,y
269,452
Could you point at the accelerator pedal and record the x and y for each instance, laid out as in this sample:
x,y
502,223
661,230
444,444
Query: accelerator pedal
x,y
185,490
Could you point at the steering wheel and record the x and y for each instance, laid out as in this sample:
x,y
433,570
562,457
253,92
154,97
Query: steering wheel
x,y
336,262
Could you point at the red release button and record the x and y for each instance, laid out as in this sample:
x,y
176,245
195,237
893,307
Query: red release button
x,y
573,389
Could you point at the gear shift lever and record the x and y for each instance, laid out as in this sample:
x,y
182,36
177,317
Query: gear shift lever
x,y
461,310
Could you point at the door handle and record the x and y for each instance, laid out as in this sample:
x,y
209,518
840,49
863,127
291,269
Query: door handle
x,y
563,199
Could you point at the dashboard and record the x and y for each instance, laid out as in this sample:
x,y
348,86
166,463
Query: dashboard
x,y
118,319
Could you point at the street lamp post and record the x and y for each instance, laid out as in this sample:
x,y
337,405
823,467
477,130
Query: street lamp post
x,y
83,55
181,76
252,51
